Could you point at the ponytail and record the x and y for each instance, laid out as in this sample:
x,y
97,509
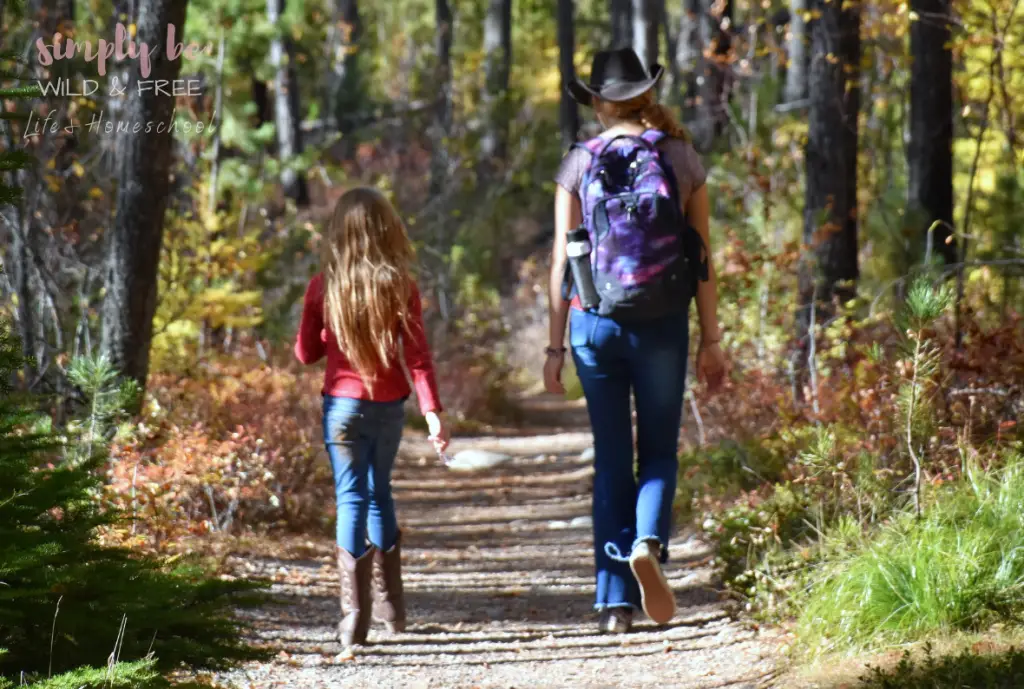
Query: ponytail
x,y
657,116
646,110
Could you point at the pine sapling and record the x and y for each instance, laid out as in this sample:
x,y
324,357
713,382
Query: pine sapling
x,y
108,399
920,364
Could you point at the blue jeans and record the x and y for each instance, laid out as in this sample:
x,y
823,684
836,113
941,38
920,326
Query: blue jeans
x,y
362,439
613,360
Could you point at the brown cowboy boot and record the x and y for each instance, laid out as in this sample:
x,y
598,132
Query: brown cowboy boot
x,y
355,574
388,594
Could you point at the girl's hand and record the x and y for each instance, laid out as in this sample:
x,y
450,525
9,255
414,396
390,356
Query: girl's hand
x,y
439,434
711,366
553,373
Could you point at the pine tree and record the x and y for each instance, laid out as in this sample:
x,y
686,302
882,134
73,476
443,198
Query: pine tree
x,y
67,601
108,397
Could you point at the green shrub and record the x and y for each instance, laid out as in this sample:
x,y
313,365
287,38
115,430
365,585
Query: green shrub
x,y
756,557
960,567
724,470
964,671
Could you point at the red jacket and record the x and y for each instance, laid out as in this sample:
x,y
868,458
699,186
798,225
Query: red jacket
x,y
341,380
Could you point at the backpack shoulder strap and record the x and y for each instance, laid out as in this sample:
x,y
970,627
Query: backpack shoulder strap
x,y
593,146
653,136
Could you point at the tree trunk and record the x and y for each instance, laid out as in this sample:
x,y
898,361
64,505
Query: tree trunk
x,y
717,87
497,66
218,106
20,262
622,23
125,13
646,26
930,152
65,10
261,98
673,83
830,209
569,114
346,80
797,63
689,55
287,108
443,109
134,242
59,15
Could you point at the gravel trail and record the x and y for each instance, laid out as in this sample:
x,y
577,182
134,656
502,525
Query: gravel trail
x,y
498,577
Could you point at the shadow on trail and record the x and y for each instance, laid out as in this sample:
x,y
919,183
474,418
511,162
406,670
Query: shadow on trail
x,y
498,569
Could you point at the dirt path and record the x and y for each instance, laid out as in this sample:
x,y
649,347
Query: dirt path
x,y
499,586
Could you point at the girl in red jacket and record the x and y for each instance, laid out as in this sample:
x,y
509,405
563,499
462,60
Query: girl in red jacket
x,y
363,312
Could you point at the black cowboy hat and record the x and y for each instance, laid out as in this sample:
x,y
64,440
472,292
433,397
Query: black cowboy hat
x,y
615,75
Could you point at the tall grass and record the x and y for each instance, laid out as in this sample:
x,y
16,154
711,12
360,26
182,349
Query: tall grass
x,y
959,567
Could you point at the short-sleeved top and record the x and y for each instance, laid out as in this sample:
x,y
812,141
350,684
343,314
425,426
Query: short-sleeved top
x,y
681,155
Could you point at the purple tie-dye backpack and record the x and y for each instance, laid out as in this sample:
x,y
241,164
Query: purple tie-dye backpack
x,y
646,257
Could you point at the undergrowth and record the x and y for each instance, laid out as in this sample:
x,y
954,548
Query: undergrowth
x,y
227,446
966,670
959,567
850,517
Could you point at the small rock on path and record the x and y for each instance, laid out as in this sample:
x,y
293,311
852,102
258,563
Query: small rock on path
x,y
474,460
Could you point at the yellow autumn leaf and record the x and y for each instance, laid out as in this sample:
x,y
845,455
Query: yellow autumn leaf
x,y
131,30
95,193
914,16
77,168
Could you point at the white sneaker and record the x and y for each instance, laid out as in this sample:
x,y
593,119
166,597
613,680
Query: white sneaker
x,y
656,596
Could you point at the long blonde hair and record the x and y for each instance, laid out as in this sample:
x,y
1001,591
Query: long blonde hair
x,y
646,110
367,261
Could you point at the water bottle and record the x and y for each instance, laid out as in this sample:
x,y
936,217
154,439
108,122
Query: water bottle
x,y
577,248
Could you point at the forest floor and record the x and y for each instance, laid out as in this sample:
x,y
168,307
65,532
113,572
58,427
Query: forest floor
x,y
498,576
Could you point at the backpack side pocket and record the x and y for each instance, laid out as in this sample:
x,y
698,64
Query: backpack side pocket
x,y
696,258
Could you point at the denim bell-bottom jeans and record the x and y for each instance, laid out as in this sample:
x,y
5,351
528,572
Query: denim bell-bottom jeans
x,y
362,439
614,360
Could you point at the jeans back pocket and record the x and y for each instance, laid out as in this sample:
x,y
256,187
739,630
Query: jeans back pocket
x,y
343,418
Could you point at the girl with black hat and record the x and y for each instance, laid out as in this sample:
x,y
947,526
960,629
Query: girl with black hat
x,y
645,358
